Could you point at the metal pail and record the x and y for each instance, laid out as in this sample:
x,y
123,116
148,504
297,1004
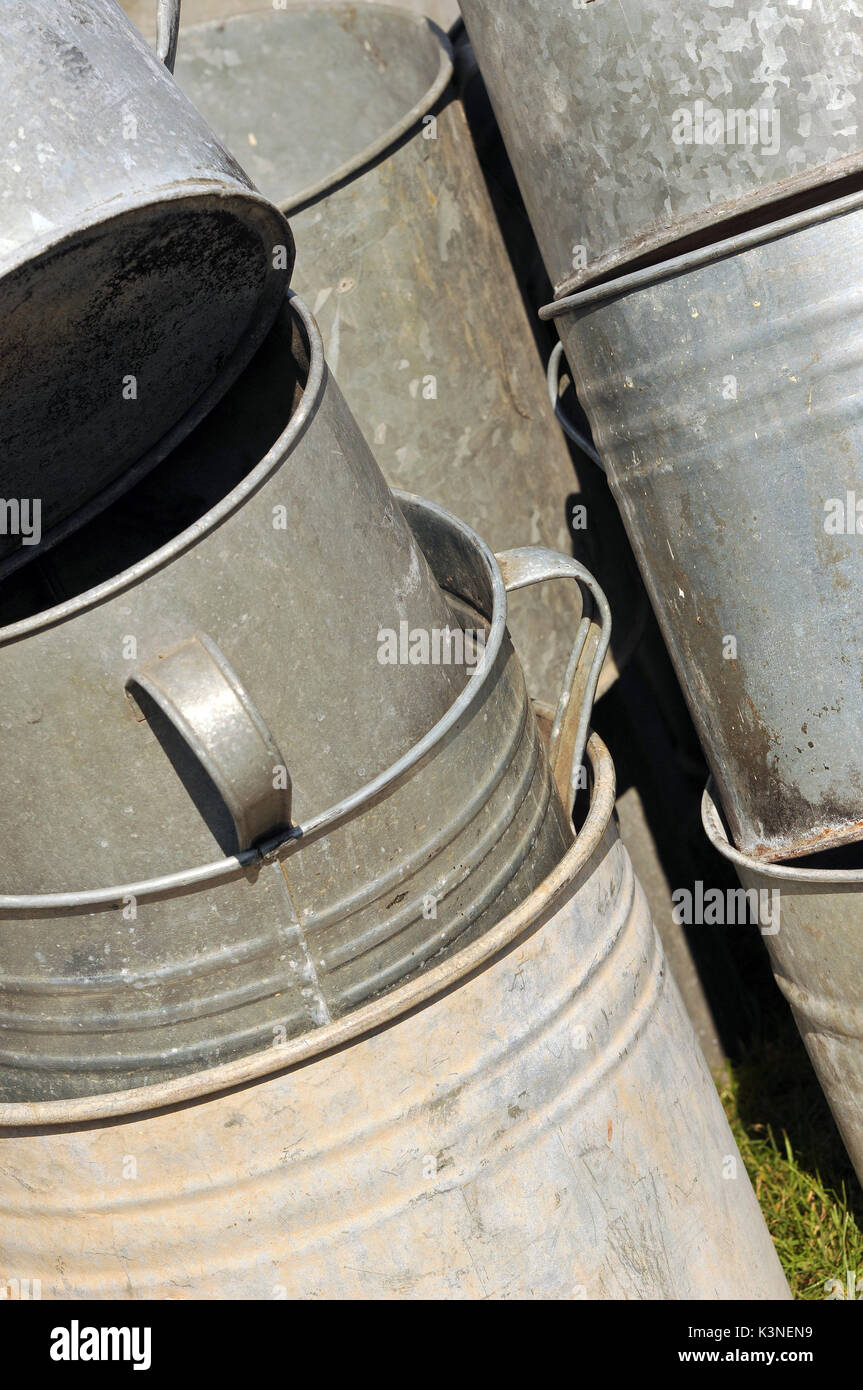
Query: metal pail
x,y
531,1119
634,123
345,117
810,919
139,269
255,652
723,392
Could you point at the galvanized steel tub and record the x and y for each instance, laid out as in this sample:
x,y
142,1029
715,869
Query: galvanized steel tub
x,y
722,389
606,110
139,268
345,117
811,921
532,1119
423,807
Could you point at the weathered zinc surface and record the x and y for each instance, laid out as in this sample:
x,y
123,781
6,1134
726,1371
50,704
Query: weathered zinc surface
x,y
117,982
810,919
139,269
631,123
400,256
443,12
723,393
547,1129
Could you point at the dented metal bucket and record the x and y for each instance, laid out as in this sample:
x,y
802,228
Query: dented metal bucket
x,y
633,124
274,683
722,388
530,1119
810,917
346,118
139,268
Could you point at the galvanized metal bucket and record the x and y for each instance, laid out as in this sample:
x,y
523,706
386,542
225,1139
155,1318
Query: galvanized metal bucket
x,y
635,123
530,1119
723,395
139,269
810,918
345,117
377,804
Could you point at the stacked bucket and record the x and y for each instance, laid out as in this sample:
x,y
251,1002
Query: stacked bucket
x,y
301,913
692,175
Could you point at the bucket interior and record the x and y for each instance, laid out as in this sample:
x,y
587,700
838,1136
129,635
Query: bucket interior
x,y
114,338
208,465
345,76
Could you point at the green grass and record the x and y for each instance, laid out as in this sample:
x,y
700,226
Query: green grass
x,y
810,1196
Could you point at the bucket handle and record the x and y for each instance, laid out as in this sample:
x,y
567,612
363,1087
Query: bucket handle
x,y
167,31
204,700
534,564
570,430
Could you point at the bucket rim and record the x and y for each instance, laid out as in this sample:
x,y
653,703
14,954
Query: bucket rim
x,y
373,151
714,828
249,206
621,285
228,504
530,915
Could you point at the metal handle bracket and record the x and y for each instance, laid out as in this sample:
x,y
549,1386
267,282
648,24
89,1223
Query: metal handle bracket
x,y
204,700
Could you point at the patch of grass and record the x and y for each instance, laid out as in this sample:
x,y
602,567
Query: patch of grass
x,y
808,1191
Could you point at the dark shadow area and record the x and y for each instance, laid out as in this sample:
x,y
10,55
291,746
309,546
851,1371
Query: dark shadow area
x,y
779,1091
209,464
602,546
503,189
646,725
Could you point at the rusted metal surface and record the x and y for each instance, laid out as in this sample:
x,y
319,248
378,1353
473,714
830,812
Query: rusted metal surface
x,y
721,390
816,961
369,155
146,967
139,269
547,1129
633,123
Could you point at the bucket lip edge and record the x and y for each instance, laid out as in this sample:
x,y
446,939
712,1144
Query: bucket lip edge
x,y
597,295
315,192
664,235
91,598
533,911
220,190
204,194
711,820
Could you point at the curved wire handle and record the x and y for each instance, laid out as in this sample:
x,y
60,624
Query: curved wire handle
x,y
569,732
167,31
570,430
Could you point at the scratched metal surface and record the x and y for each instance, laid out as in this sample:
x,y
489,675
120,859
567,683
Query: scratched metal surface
x,y
725,402
406,271
815,955
133,249
101,997
548,1129
586,96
